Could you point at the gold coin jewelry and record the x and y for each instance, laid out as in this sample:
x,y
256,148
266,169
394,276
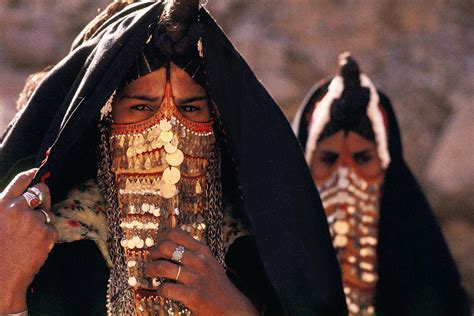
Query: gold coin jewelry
x,y
161,172
351,205
167,190
171,175
170,148
166,136
165,125
340,241
341,227
175,159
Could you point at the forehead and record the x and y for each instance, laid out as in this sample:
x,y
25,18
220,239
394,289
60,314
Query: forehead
x,y
153,84
351,140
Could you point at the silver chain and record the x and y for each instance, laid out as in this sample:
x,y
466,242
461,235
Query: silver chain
x,y
119,296
215,216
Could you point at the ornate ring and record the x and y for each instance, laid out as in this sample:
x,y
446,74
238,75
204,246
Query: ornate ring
x,y
177,254
38,193
32,199
177,274
48,218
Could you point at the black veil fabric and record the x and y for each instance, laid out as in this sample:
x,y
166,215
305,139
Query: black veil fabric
x,y
60,123
277,188
64,110
417,275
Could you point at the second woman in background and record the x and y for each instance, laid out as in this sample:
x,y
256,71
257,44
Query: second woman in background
x,y
393,258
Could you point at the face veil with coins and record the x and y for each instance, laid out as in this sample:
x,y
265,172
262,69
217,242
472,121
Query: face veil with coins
x,y
352,208
393,258
164,171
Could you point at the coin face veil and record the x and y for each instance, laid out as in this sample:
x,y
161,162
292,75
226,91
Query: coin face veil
x,y
160,167
352,206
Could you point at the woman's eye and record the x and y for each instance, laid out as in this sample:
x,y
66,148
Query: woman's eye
x,y
141,107
188,108
329,158
362,158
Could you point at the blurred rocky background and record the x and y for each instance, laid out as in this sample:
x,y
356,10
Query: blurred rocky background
x,y
420,53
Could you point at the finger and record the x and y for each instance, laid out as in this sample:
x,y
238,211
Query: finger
x,y
181,238
20,204
19,184
169,270
43,218
178,292
46,203
163,250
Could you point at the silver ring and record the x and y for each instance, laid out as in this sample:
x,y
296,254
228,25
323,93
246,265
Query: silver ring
x,y
37,192
48,218
177,254
32,199
177,274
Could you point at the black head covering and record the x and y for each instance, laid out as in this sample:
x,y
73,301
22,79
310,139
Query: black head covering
x,y
175,39
60,122
417,275
347,113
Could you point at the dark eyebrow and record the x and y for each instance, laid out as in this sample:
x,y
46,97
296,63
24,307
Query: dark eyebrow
x,y
141,97
362,152
330,152
191,99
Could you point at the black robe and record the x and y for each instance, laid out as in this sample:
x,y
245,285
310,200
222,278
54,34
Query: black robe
x,y
291,245
417,275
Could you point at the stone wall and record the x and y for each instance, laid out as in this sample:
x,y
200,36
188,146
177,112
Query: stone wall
x,y
418,52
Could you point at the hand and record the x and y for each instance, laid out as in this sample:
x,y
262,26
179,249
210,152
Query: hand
x,y
202,286
25,241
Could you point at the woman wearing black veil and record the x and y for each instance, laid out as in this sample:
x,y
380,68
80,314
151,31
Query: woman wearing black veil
x,y
187,138
393,258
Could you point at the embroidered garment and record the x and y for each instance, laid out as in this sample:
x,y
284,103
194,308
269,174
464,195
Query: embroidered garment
x,y
82,216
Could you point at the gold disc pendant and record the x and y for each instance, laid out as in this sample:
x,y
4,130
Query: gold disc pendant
x,y
171,175
175,159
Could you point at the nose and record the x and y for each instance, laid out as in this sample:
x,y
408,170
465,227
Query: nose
x,y
345,159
